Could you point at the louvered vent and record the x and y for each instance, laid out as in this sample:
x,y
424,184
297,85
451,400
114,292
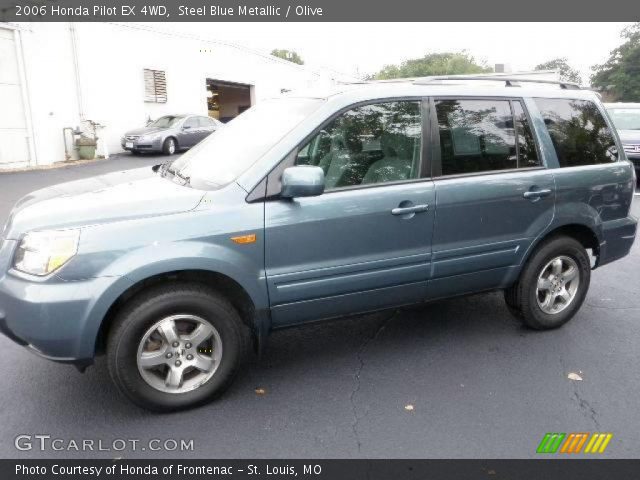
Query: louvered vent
x,y
155,86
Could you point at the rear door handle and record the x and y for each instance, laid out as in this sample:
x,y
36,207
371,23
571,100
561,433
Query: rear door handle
x,y
537,193
406,210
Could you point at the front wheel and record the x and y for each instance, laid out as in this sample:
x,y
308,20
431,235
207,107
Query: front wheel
x,y
169,146
175,347
552,285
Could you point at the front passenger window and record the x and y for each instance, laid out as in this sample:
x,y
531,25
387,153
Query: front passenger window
x,y
191,122
370,144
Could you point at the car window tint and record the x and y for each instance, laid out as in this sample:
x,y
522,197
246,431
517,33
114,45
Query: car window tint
x,y
476,136
192,122
578,131
527,152
206,122
370,144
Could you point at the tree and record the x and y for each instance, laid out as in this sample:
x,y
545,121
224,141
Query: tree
x,y
619,76
289,55
567,73
447,63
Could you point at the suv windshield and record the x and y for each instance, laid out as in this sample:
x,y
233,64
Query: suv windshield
x,y
231,150
165,122
625,118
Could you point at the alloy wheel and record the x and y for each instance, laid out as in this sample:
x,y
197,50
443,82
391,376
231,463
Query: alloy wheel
x,y
558,284
179,353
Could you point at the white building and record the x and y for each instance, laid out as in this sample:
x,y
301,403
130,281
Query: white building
x,y
57,76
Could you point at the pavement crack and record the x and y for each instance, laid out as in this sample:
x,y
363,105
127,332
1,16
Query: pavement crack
x,y
586,408
356,384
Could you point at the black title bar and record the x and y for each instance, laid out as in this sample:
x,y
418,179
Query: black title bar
x,y
318,10
581,469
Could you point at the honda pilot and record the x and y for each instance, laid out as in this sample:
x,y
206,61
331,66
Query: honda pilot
x,y
318,206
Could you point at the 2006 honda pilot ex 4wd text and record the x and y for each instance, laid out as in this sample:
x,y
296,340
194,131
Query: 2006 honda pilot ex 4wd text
x,y
310,207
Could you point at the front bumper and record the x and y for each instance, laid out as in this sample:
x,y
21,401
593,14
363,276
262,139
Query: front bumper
x,y
54,318
141,146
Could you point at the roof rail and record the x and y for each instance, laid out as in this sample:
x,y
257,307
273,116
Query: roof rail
x,y
509,80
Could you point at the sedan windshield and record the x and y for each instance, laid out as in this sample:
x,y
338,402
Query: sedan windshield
x,y
230,151
165,122
626,118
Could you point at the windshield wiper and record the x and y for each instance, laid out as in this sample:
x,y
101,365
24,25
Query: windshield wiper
x,y
165,169
184,178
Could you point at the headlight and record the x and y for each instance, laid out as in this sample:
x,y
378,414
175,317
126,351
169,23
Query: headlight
x,y
41,253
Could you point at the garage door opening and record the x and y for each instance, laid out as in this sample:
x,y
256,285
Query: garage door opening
x,y
227,100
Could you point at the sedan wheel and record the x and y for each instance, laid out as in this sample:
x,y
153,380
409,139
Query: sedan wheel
x,y
169,146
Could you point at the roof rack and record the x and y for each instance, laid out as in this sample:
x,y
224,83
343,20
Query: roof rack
x,y
509,80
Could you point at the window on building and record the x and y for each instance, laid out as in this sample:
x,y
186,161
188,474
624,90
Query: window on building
x,y
370,144
578,131
155,86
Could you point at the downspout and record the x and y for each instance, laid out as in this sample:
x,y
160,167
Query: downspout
x,y
24,92
76,69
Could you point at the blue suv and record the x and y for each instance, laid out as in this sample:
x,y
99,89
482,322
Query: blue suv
x,y
317,206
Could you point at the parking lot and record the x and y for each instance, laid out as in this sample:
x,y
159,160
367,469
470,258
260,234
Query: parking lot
x,y
455,378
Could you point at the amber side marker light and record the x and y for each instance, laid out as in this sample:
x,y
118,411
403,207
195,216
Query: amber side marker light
x,y
245,239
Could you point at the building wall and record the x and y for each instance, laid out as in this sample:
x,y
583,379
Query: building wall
x,y
94,71
14,137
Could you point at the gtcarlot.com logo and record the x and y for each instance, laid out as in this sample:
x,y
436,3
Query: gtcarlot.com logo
x,y
44,443
574,442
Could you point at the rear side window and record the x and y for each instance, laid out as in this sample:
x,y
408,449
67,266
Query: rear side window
x,y
578,131
482,136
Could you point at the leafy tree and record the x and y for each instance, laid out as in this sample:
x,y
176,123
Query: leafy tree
x,y
447,63
620,74
290,55
567,73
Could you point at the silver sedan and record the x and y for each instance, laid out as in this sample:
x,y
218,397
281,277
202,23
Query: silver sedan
x,y
169,134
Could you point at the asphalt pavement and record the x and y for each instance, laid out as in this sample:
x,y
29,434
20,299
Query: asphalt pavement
x,y
458,378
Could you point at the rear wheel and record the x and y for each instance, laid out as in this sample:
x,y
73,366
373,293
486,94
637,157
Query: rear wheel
x,y
552,285
169,146
175,347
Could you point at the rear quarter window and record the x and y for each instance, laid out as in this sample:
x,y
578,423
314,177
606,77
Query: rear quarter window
x,y
578,131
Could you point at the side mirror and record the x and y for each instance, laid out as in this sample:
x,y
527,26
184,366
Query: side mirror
x,y
302,181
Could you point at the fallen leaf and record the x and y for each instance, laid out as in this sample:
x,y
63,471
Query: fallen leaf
x,y
260,391
408,408
574,376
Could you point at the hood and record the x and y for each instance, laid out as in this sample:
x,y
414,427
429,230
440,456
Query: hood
x,y
146,131
629,136
108,198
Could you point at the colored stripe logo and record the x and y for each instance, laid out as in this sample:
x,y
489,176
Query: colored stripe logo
x,y
574,442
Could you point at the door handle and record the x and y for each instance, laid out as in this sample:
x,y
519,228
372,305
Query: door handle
x,y
406,210
537,193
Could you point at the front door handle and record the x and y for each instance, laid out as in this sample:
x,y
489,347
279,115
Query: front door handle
x,y
534,194
407,210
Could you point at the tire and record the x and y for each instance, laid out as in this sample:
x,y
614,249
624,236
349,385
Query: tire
x,y
149,388
556,299
169,147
